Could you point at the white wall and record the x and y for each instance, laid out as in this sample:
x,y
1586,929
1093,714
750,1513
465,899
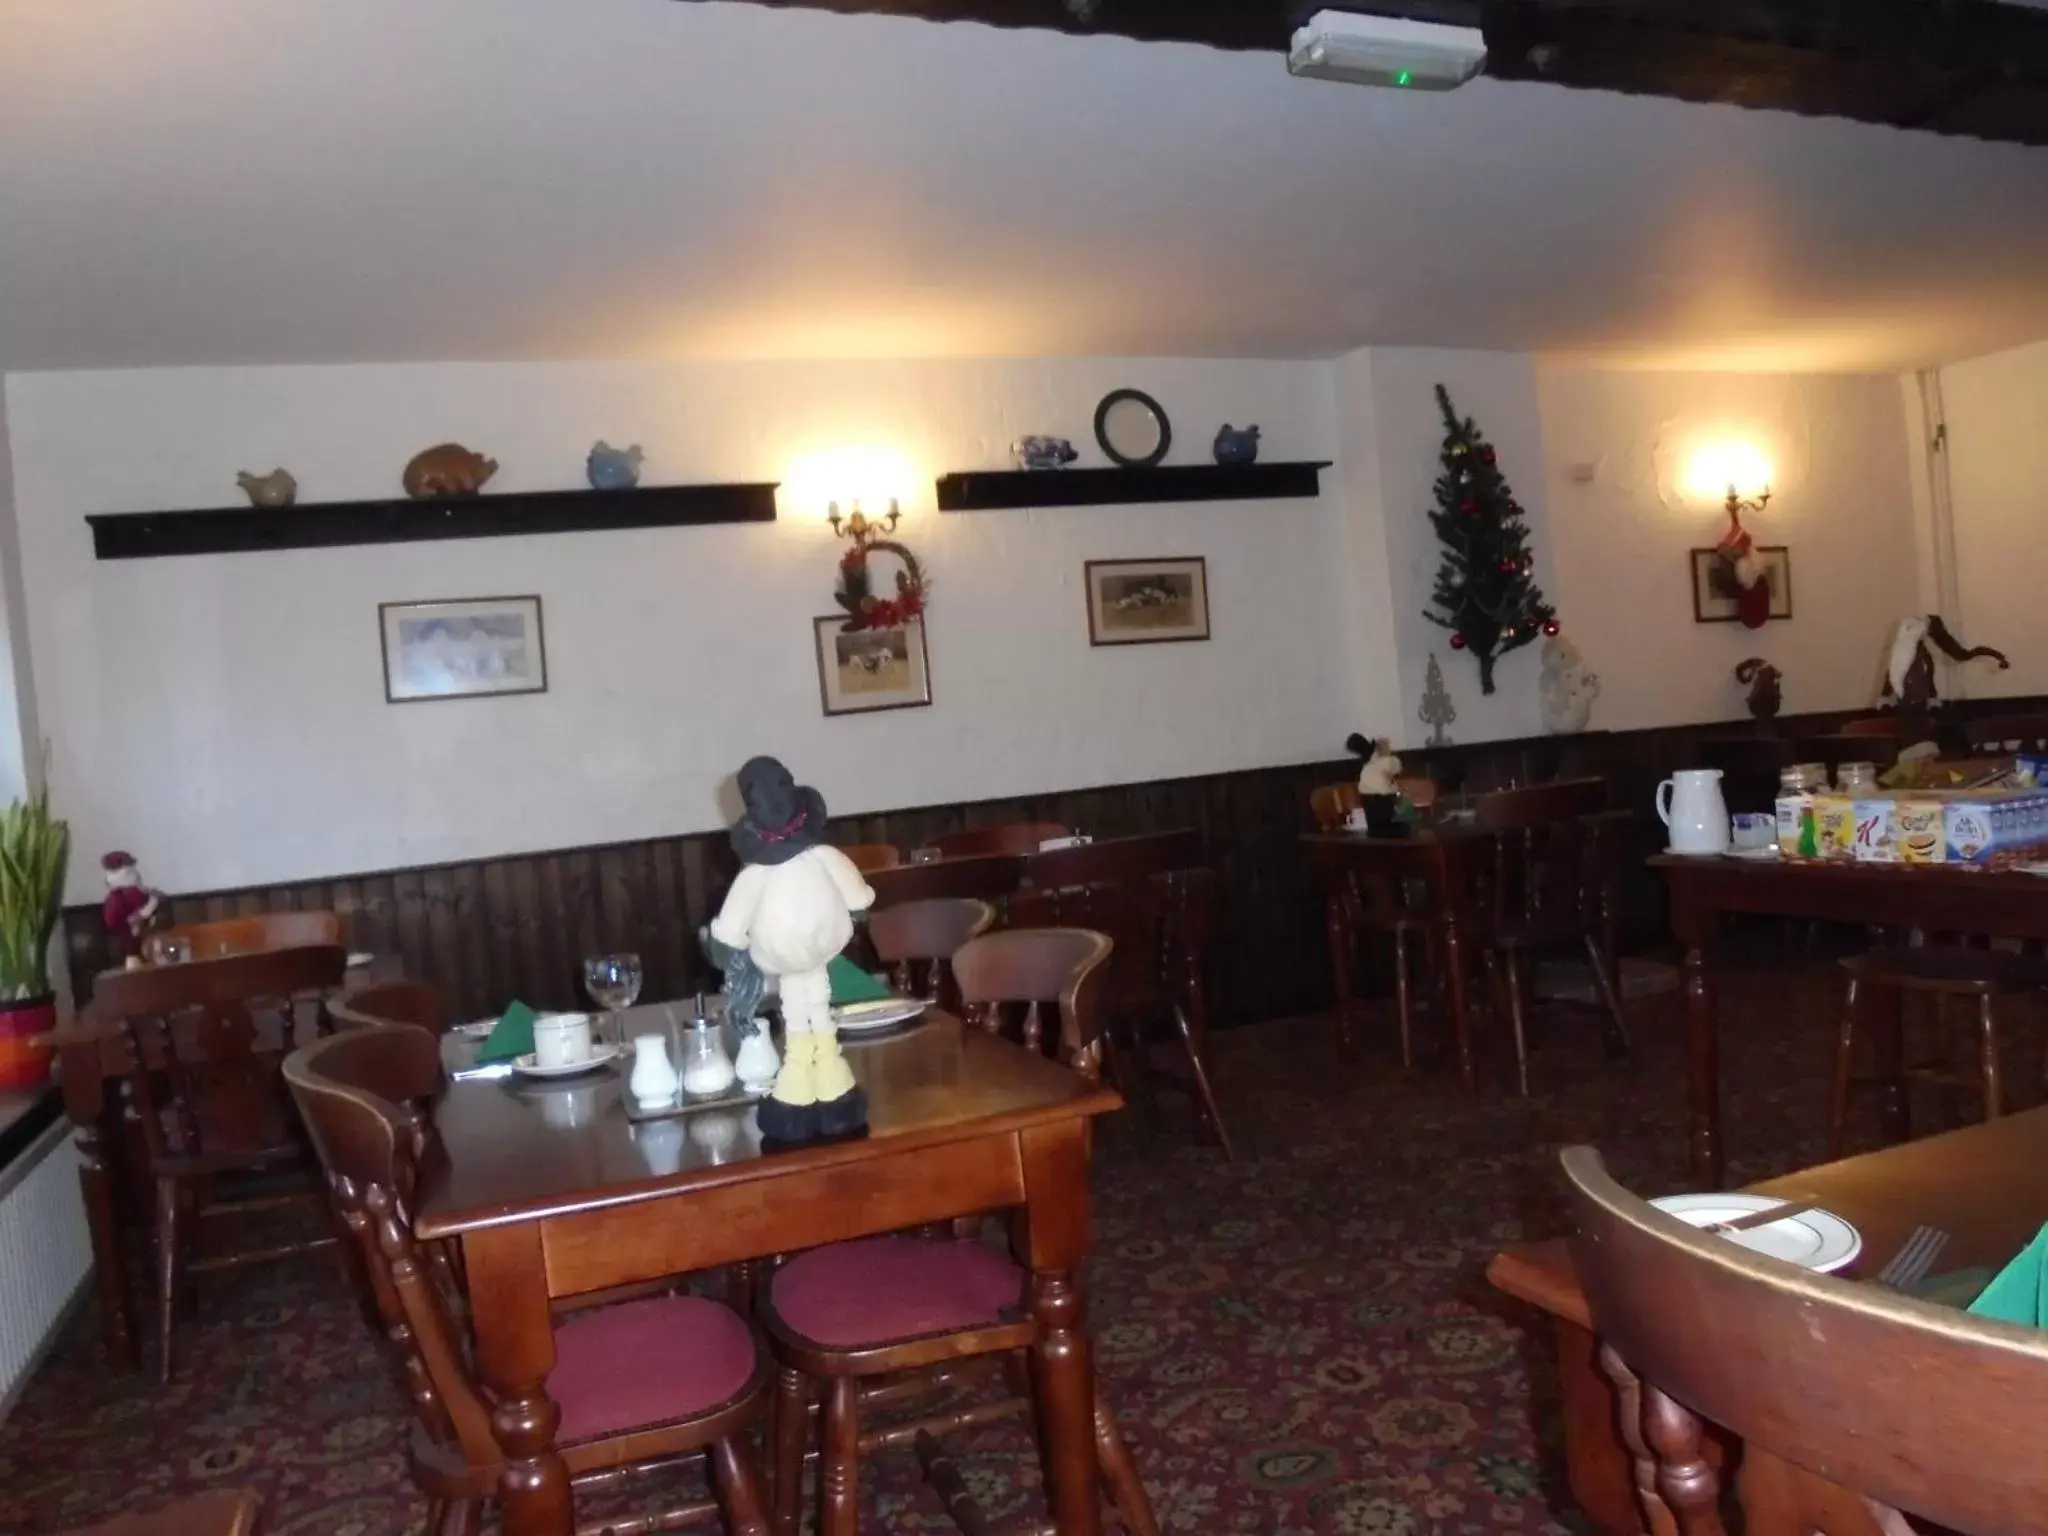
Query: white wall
x,y
1843,504
224,716
20,757
1997,413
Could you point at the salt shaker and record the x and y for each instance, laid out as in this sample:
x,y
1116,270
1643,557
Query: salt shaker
x,y
707,1070
653,1082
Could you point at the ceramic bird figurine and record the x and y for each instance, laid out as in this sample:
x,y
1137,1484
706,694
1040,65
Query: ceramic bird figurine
x,y
276,489
447,469
613,469
1236,445
1043,452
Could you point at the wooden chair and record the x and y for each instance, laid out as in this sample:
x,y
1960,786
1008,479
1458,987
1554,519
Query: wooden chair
x,y
1887,726
252,935
1981,975
1749,767
392,1002
637,1384
1332,803
1541,877
1854,1403
1019,837
990,878
223,1512
868,857
205,1042
2024,733
916,941
908,1314
1156,900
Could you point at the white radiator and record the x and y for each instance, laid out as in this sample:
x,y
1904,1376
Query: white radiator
x,y
45,1252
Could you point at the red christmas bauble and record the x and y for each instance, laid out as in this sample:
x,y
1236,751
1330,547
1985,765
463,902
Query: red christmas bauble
x,y
1468,507
1486,454
1457,642
1551,627
1508,567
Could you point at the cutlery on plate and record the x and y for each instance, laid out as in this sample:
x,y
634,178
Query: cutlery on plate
x,y
1909,1266
480,1074
1764,1218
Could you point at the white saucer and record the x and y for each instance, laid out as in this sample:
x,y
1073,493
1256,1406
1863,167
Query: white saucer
x,y
358,958
1814,1240
1687,853
1763,855
859,1018
602,1053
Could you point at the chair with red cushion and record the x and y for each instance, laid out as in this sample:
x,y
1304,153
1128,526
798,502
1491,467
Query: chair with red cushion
x,y
643,1382
884,1320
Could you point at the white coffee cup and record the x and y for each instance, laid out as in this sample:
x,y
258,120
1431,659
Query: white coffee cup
x,y
561,1039
1355,818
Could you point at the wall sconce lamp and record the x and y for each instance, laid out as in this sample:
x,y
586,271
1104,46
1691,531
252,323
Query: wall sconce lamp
x,y
860,528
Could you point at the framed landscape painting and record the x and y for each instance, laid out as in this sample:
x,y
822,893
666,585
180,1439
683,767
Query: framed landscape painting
x,y
462,649
861,671
1714,591
1147,602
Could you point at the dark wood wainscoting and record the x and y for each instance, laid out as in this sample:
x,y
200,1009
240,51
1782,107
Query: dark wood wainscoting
x,y
488,930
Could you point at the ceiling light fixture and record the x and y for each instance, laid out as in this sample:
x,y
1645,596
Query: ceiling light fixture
x,y
1386,50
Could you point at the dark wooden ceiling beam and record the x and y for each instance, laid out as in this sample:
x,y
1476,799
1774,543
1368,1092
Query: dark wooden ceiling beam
x,y
1953,66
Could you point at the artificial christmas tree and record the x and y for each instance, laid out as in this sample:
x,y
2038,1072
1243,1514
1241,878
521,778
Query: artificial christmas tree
x,y
1437,709
1484,594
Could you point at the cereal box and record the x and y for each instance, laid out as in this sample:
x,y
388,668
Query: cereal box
x,y
1875,841
1834,820
1919,830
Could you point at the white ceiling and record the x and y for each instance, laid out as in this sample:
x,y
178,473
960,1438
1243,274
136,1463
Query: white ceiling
x,y
251,181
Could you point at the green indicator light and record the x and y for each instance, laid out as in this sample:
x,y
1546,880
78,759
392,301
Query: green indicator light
x,y
1404,77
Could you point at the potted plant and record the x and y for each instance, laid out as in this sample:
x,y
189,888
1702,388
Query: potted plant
x,y
33,851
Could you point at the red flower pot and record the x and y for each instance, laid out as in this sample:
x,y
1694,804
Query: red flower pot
x,y
25,1050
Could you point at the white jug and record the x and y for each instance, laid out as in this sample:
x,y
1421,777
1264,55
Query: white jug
x,y
1690,804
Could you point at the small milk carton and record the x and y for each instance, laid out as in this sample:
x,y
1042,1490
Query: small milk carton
x,y
1918,831
1966,829
1875,840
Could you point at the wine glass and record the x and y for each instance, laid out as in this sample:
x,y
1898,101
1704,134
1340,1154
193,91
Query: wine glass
x,y
613,982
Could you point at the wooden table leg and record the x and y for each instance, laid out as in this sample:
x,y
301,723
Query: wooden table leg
x,y
1338,932
515,1350
1703,1062
109,1257
1461,1016
1884,1009
1051,1236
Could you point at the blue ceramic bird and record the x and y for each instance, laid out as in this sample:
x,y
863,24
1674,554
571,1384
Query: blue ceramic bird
x,y
1043,452
613,469
1237,447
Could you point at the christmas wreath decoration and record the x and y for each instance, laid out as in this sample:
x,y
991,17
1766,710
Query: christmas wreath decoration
x,y
856,592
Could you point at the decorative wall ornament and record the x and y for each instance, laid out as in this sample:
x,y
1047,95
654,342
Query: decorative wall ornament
x,y
276,489
1910,681
462,648
1236,445
612,469
447,469
1147,602
864,669
1132,428
1043,452
1719,595
1437,710
1566,688
1766,687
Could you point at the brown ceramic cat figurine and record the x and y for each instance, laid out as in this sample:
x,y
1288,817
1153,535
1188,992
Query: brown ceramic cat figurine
x,y
447,469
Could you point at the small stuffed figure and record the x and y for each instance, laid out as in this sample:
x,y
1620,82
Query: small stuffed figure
x,y
1566,688
1910,681
130,908
1766,687
791,910
1381,774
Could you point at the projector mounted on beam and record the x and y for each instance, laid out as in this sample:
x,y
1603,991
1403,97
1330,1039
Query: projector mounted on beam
x,y
1386,50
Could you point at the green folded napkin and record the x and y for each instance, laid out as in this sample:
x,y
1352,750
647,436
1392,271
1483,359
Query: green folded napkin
x,y
511,1036
851,984
1957,1288
2015,1293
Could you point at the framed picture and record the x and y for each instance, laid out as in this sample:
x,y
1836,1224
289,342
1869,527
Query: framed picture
x,y
462,649
861,671
1147,602
1714,591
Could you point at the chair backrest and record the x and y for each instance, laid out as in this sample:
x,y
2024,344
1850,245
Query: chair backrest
x,y
1151,894
1918,1407
1017,837
1887,726
1028,968
990,878
362,1095
1750,768
1329,804
1539,804
252,935
917,939
868,857
205,1041
392,1002
1544,862
2024,733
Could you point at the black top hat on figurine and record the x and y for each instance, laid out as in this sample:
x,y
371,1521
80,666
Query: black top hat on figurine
x,y
782,817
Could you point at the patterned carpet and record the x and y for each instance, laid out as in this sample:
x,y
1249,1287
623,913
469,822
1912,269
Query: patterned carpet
x,y
1300,1342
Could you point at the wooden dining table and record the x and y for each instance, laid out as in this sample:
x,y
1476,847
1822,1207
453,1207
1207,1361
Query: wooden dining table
x,y
1985,1186
553,1191
1937,899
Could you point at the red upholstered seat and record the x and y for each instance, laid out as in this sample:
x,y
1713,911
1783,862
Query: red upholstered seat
x,y
881,1289
647,1362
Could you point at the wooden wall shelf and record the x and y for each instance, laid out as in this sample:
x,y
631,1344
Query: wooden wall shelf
x,y
1004,490
326,524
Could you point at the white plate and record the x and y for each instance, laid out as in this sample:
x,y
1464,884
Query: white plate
x,y
358,958
858,1018
1812,1239
1762,855
1687,853
601,1054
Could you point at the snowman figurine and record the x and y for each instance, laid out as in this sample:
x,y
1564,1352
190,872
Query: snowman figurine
x,y
790,911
